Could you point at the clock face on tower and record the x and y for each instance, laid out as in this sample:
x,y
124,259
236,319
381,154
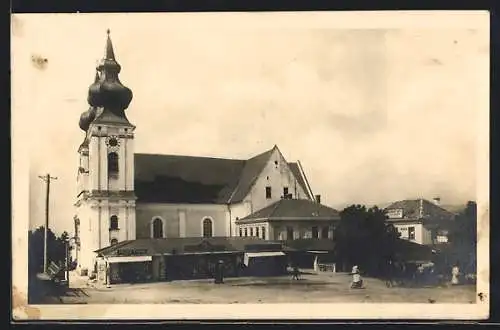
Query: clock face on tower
x,y
112,142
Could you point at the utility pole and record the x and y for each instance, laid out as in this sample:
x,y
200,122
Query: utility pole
x,y
47,179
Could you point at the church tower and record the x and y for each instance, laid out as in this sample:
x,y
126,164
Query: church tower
x,y
105,206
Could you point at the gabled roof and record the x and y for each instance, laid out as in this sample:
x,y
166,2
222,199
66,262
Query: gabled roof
x,y
413,207
188,179
293,209
180,245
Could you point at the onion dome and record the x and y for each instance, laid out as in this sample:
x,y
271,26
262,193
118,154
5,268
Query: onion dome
x,y
107,91
87,117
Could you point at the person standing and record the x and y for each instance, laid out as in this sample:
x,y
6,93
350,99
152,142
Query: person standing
x,y
108,275
455,272
357,282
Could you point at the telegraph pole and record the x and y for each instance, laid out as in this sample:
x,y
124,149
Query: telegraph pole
x,y
47,179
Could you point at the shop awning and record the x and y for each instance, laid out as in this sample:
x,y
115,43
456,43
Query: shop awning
x,y
129,259
264,254
249,255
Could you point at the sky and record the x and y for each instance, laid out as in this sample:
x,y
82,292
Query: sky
x,y
375,114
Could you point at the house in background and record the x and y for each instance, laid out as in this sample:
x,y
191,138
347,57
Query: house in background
x,y
290,219
421,221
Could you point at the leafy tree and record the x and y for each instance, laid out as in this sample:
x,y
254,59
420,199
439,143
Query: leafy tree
x,y
362,237
463,236
56,249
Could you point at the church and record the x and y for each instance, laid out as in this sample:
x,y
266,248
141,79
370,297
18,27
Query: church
x,y
126,196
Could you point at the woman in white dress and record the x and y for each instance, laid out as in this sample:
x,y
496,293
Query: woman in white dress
x,y
455,272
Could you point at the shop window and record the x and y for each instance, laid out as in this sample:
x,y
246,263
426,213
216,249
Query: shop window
x,y
314,232
268,193
113,223
112,164
411,233
324,232
157,228
285,192
207,227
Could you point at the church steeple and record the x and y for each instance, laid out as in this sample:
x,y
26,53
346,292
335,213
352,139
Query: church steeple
x,y
110,53
107,93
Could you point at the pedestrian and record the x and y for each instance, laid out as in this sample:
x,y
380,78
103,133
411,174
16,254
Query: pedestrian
x,y
455,272
108,275
295,273
357,282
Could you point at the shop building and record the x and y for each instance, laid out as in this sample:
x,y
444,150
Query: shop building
x,y
146,260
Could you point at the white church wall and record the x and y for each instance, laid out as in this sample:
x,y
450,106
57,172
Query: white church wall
x,y
239,211
277,176
182,220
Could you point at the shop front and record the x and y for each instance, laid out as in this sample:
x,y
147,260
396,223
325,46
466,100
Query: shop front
x,y
265,263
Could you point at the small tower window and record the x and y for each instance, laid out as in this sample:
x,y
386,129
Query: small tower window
x,y
268,193
157,228
114,241
207,227
113,223
112,164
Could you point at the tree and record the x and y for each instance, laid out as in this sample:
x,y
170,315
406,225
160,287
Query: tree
x,y
362,237
463,236
56,249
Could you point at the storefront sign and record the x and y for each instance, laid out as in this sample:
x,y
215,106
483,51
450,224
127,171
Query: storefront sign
x,y
131,252
204,247
263,247
395,213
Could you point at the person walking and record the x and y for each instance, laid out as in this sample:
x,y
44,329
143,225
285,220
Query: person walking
x,y
357,282
455,273
295,273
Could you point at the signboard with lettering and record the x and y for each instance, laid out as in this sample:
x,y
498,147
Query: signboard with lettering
x,y
204,247
263,247
395,213
131,252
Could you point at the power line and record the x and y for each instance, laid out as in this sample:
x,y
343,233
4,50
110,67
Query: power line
x,y
47,178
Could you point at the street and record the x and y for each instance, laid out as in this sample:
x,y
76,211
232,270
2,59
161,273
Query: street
x,y
311,288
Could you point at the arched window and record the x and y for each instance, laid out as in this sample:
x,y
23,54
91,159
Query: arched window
x,y
113,223
112,164
157,228
207,227
114,241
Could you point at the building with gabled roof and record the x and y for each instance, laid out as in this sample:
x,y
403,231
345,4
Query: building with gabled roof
x,y
421,221
124,196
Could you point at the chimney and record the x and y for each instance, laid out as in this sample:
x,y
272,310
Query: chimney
x,y
318,199
436,200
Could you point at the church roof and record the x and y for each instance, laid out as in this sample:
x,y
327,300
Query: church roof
x,y
189,179
293,208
